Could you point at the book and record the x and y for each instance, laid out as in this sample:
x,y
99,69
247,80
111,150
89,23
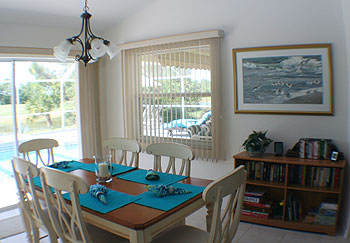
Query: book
x,y
255,214
258,205
252,199
255,191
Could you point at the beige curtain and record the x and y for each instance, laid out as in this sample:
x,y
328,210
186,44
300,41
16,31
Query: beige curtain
x,y
89,111
159,79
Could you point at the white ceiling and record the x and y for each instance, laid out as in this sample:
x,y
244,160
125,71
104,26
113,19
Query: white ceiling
x,y
66,13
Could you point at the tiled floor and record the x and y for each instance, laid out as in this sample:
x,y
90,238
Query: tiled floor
x,y
246,233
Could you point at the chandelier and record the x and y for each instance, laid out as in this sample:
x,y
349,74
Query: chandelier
x,y
92,46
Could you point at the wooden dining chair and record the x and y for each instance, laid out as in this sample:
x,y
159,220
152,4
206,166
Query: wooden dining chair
x,y
125,146
38,146
173,151
33,215
67,220
224,221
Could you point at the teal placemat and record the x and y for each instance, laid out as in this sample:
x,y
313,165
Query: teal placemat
x,y
37,183
139,177
117,169
73,165
114,199
169,202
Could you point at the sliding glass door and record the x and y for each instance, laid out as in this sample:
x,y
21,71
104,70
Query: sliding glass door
x,y
37,100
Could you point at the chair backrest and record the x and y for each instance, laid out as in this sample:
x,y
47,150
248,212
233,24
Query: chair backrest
x,y
124,145
38,145
173,151
67,221
224,223
24,171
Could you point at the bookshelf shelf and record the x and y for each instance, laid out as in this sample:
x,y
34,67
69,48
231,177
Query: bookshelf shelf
x,y
266,183
304,186
313,189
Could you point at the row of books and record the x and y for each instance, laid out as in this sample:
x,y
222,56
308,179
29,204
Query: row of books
x,y
293,208
256,203
314,176
326,214
265,171
314,148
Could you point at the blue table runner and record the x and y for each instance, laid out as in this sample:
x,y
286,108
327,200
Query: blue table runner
x,y
139,177
169,202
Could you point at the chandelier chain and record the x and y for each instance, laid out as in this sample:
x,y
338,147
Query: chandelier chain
x,y
86,8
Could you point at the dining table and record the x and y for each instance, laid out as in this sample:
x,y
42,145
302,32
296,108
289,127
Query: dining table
x,y
145,215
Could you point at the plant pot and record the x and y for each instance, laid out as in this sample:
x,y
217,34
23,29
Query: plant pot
x,y
256,153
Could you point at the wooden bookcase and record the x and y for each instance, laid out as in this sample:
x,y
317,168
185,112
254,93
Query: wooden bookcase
x,y
310,196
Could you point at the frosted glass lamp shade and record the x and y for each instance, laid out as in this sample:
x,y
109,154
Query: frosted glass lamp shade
x,y
112,50
61,51
98,49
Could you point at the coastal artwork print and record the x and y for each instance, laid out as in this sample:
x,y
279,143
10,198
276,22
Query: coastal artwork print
x,y
284,79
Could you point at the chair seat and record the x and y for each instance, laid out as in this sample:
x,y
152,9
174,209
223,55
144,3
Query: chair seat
x,y
99,235
183,234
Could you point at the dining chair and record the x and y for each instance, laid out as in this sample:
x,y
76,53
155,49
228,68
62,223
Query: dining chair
x,y
67,220
224,221
125,146
33,215
173,151
38,146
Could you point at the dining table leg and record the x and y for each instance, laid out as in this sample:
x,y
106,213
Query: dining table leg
x,y
209,216
139,236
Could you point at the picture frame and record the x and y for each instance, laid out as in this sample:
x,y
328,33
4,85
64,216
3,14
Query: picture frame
x,y
334,156
292,79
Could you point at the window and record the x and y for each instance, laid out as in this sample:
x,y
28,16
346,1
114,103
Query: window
x,y
37,100
171,94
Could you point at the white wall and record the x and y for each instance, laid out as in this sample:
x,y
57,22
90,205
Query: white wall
x,y
247,23
33,36
345,4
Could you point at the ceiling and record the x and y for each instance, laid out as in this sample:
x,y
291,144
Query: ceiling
x,y
66,13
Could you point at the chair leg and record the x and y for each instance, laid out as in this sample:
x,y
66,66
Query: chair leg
x,y
27,226
36,235
53,237
209,216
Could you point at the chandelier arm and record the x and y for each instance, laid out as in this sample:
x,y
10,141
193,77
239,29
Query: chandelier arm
x,y
80,57
93,36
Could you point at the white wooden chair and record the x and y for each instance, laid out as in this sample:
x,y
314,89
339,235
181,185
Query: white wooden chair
x,y
39,145
223,224
173,151
68,221
33,215
124,145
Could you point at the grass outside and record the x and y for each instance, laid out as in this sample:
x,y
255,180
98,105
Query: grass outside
x,y
32,126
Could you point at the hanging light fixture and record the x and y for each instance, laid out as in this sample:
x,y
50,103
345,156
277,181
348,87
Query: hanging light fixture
x,y
92,46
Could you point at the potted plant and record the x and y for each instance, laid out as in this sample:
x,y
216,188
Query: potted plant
x,y
256,143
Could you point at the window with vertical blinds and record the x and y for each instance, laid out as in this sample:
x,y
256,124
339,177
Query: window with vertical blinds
x,y
171,94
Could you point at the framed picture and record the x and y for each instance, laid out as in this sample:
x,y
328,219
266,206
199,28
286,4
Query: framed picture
x,y
334,156
295,79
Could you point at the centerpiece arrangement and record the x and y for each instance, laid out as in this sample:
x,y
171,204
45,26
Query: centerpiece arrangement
x,y
256,143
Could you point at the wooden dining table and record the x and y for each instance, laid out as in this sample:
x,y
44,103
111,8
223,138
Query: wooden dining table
x,y
135,222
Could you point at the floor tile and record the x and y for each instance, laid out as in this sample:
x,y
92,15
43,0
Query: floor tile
x,y
258,234
301,237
